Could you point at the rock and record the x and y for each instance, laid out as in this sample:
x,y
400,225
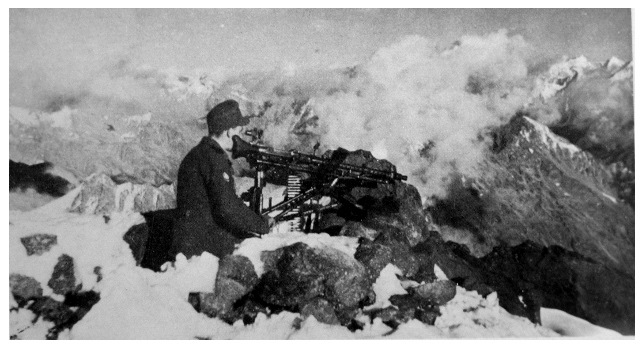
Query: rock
x,y
39,243
62,279
298,273
425,271
529,276
401,255
374,257
64,315
393,317
238,268
428,316
402,214
245,309
137,238
235,278
405,308
24,288
434,251
220,302
53,311
96,196
577,285
438,292
331,223
534,185
385,206
320,309
388,247
355,229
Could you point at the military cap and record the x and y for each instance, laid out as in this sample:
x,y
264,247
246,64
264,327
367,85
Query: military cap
x,y
224,116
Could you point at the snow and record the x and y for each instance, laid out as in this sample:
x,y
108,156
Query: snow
x,y
21,325
386,285
138,303
610,198
280,236
549,138
88,239
27,200
571,326
144,311
551,83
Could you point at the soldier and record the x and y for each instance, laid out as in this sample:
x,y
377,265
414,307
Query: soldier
x,y
211,217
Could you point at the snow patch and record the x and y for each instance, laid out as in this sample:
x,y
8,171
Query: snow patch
x,y
610,198
131,308
549,138
469,315
22,326
280,236
88,239
571,326
386,285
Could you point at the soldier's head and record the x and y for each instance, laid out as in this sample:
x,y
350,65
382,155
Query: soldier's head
x,y
224,121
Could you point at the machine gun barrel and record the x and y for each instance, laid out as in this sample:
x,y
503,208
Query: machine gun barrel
x,y
300,162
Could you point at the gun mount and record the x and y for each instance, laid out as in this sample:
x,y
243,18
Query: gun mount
x,y
311,178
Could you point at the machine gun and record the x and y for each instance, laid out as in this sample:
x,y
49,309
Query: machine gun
x,y
310,179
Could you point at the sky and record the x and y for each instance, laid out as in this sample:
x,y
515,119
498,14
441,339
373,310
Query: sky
x,y
78,41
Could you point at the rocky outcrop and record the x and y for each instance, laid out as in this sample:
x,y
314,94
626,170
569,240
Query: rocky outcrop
x,y
537,186
101,195
235,278
297,274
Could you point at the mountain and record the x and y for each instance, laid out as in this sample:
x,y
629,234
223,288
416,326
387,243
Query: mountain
x,y
536,186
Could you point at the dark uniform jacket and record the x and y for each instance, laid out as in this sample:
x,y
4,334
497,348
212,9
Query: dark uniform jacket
x,y
211,217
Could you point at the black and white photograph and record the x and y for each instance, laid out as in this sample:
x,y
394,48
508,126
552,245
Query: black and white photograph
x,y
321,173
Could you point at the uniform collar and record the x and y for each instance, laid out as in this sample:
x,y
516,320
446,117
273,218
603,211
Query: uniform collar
x,y
213,144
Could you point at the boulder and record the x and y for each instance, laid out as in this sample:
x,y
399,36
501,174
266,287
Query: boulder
x,y
62,279
235,278
401,213
298,273
331,223
357,230
374,257
24,287
396,206
405,308
438,292
39,243
320,309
